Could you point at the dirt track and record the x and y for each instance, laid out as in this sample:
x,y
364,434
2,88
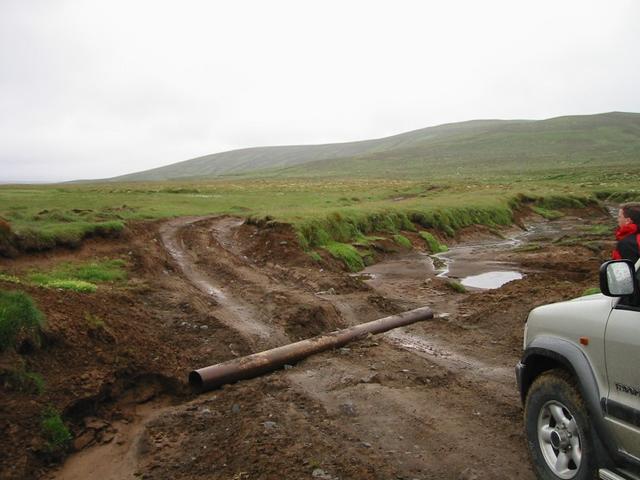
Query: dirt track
x,y
435,400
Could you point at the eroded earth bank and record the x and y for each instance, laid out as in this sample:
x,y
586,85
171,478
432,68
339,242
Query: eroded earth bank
x,y
434,400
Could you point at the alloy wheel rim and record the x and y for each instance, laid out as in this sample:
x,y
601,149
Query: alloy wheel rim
x,y
559,440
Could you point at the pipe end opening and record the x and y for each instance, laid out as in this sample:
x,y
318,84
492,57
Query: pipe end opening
x,y
195,380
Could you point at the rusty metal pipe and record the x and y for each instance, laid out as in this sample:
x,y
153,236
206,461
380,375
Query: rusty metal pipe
x,y
214,376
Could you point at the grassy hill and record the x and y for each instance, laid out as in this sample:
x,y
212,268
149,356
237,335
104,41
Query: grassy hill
x,y
479,145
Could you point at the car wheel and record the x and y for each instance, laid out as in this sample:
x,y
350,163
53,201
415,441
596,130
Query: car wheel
x,y
558,429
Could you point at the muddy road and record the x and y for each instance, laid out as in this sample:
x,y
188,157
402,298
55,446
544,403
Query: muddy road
x,y
433,400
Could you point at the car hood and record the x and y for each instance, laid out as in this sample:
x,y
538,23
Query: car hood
x,y
590,298
581,316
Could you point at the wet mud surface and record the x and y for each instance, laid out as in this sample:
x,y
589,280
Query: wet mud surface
x,y
433,400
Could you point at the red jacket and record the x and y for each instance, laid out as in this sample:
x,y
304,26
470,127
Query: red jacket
x,y
628,246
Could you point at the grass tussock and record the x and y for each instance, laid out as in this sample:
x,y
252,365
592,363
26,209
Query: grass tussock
x,y
315,256
546,213
456,286
259,221
555,202
402,241
65,233
433,244
55,433
19,317
618,196
347,254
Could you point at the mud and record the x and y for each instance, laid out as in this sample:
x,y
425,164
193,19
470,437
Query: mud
x,y
433,400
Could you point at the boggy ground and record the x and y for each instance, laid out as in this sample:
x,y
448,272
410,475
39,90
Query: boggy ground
x,y
434,400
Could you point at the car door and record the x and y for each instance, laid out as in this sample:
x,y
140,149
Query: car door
x,y
622,355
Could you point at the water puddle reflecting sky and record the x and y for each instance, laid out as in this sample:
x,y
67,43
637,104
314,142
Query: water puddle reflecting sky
x,y
490,280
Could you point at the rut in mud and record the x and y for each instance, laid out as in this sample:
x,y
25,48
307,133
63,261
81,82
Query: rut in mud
x,y
434,400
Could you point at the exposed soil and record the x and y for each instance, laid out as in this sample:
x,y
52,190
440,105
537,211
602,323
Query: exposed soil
x,y
433,400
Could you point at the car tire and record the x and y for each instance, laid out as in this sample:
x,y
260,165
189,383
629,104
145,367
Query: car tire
x,y
558,429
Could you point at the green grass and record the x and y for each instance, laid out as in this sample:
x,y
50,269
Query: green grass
x,y
551,202
19,317
321,210
80,277
107,270
315,256
351,226
456,286
9,278
553,149
54,431
532,247
593,245
618,196
546,213
590,291
432,243
442,178
347,254
75,285
598,230
69,233
402,241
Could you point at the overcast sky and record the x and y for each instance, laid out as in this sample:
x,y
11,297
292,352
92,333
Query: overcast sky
x,y
92,89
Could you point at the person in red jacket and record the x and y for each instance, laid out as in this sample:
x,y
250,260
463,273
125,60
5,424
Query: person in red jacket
x,y
627,233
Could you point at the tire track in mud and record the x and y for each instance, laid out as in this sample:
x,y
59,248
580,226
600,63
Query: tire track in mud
x,y
435,351
440,352
232,311
250,322
417,415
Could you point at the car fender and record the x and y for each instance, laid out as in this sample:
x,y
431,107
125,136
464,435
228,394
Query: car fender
x,y
570,357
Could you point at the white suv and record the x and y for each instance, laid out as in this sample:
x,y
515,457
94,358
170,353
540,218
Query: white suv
x,y
579,379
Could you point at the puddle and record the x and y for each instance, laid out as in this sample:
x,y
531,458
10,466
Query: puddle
x,y
476,266
412,266
490,280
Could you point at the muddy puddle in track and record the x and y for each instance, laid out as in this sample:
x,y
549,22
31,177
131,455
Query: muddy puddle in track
x,y
478,266
475,264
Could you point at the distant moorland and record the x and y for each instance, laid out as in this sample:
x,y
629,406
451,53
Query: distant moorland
x,y
440,179
515,146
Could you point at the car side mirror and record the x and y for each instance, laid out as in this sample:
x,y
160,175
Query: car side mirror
x,y
618,278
